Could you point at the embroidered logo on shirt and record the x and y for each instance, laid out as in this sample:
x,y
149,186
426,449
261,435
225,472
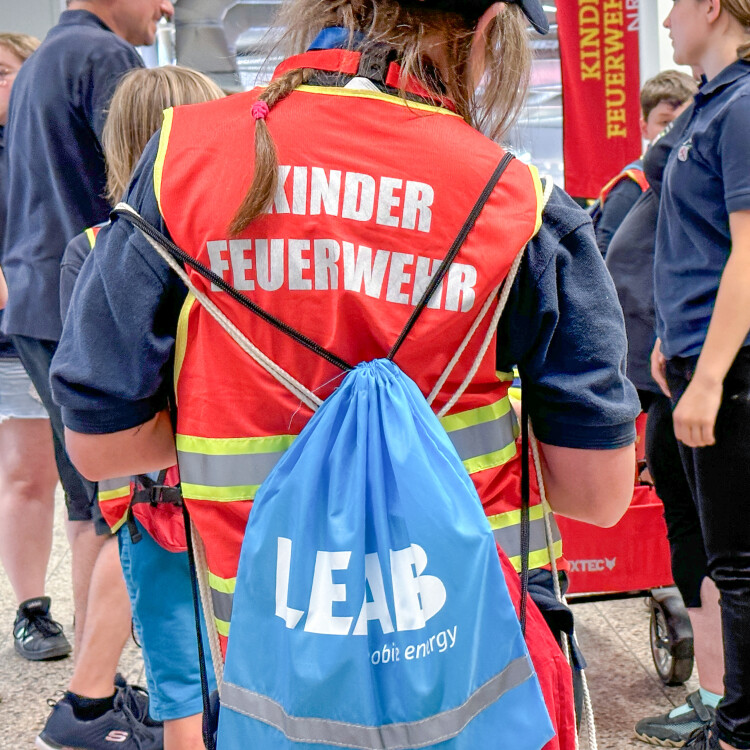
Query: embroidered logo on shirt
x,y
684,151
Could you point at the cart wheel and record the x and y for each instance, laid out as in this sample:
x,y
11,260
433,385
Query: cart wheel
x,y
671,637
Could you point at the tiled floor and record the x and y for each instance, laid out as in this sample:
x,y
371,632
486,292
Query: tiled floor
x,y
613,635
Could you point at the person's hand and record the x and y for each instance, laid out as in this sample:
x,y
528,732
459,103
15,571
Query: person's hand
x,y
694,416
659,368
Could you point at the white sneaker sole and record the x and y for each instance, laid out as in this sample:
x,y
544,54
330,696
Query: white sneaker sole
x,y
42,745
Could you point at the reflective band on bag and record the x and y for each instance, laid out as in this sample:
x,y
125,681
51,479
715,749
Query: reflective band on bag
x,y
109,489
507,530
429,731
227,469
484,438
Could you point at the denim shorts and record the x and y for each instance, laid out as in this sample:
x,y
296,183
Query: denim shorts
x,y
158,583
18,397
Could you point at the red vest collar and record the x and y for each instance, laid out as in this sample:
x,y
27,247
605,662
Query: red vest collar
x,y
348,62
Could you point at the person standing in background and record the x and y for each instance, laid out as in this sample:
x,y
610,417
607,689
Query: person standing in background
x,y
27,465
56,188
701,359
662,98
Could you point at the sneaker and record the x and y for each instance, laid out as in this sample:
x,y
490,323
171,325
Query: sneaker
x,y
666,731
703,739
36,635
117,728
136,699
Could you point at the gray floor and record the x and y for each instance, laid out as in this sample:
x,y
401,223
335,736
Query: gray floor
x,y
613,635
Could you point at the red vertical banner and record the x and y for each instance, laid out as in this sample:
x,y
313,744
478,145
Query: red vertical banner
x,y
601,84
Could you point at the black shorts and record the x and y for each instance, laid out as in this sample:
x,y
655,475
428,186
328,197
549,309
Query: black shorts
x,y
80,493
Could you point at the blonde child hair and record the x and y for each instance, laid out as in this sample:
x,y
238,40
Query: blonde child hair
x,y
135,114
21,45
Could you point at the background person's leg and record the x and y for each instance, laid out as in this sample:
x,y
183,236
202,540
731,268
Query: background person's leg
x,y
184,734
85,546
36,356
28,477
107,627
689,563
720,479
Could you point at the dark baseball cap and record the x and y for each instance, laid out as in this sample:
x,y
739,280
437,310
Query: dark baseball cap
x,y
474,8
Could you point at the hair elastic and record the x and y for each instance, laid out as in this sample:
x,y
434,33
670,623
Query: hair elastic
x,y
260,110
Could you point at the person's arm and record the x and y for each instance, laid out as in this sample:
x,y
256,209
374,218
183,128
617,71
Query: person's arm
x,y
695,414
595,486
138,450
564,328
112,372
3,290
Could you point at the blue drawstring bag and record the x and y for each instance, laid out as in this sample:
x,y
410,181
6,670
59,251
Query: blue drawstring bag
x,y
370,609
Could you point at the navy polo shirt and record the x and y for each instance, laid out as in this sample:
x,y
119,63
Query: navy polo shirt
x,y
56,177
707,178
6,347
113,366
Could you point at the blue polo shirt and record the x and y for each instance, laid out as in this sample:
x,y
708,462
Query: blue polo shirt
x,y
707,178
56,177
113,367
6,347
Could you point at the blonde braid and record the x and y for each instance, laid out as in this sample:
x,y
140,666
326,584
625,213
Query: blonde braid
x,y
263,188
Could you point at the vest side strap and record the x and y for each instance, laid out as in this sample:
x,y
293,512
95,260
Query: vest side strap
x,y
404,736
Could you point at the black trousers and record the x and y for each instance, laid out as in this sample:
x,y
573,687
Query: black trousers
x,y
80,494
719,479
688,554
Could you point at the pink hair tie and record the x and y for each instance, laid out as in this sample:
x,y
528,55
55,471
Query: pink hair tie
x,y
260,110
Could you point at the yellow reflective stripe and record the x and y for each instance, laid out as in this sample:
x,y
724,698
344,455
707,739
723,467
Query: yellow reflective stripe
x,y
491,460
219,494
107,495
538,558
181,338
116,527
539,192
233,446
379,95
225,585
504,376
222,627
513,517
91,237
161,154
476,416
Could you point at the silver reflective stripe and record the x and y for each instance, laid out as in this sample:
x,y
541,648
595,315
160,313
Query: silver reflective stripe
x,y
222,605
106,485
481,439
227,470
509,538
430,731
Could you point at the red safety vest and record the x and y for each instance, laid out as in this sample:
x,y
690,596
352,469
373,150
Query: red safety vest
x,y
361,219
631,172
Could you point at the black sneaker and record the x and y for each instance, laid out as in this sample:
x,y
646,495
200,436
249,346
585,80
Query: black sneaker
x,y
117,728
136,699
36,635
667,731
